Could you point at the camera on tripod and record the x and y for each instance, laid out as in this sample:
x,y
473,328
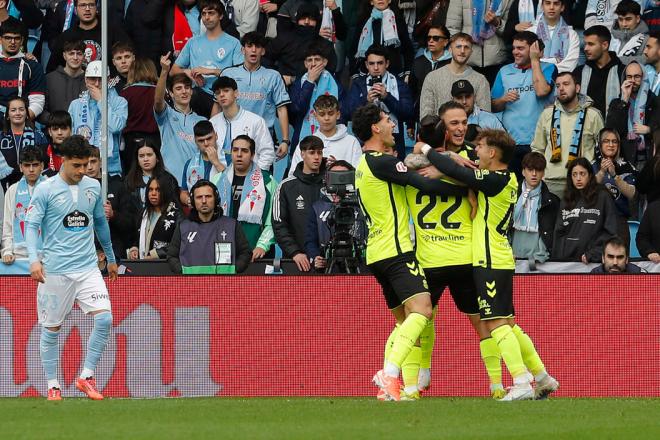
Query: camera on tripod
x,y
343,251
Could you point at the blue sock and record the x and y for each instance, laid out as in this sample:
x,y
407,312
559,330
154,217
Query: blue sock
x,y
97,341
50,353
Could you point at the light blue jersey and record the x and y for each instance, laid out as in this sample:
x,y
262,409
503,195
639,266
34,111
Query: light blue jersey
x,y
260,92
519,117
67,225
178,140
199,51
484,119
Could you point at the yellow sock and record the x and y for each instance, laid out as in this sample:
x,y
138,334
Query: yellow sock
x,y
531,358
426,341
490,354
510,349
390,342
410,367
406,337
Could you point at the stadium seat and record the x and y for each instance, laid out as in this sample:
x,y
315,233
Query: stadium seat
x,y
633,226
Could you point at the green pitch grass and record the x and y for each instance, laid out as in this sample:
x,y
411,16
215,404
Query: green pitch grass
x,y
308,418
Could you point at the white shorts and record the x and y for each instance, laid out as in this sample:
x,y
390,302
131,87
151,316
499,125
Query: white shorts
x,y
56,296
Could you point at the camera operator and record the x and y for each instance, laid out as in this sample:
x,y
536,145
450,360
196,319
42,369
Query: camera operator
x,y
321,234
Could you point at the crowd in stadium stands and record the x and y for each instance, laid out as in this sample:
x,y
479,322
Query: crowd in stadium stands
x,y
207,96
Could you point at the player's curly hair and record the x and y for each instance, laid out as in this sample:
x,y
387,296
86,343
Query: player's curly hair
x,y
363,118
76,146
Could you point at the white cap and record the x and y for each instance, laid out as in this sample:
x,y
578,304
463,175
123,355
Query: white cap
x,y
94,70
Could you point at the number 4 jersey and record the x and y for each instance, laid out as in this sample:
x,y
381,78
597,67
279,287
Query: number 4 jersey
x,y
443,226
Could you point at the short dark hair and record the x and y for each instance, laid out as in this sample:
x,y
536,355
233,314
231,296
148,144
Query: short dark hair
x,y
248,139
203,128
75,146
211,4
224,82
73,45
616,241
59,119
95,152
653,34
317,47
311,143
178,78
449,105
254,38
441,27
339,163
501,140
534,161
628,7
325,102
526,36
122,46
377,49
31,154
363,118
13,27
568,73
602,32
432,130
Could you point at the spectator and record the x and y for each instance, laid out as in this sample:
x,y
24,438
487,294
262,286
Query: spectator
x,y
600,13
147,163
384,89
143,21
65,84
338,144
480,19
158,221
587,217
648,181
535,213
435,56
59,128
87,29
15,67
615,258
246,194
316,81
16,203
181,22
630,33
175,121
628,115
463,93
652,60
383,24
235,120
205,56
600,76
260,90
566,131
520,92
287,52
294,199
617,176
523,14
648,234
17,134
437,85
205,164
86,115
123,57
24,10
242,16
319,231
208,242
268,18
140,123
562,44
120,207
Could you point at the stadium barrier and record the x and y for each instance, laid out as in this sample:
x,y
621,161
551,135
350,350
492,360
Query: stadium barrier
x,y
324,336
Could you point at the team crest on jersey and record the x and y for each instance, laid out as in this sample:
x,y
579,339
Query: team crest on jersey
x,y
75,221
401,167
89,193
84,131
222,52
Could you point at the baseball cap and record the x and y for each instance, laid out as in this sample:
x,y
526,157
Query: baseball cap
x,y
94,70
462,87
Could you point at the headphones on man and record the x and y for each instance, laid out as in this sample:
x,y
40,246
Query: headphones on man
x,y
203,182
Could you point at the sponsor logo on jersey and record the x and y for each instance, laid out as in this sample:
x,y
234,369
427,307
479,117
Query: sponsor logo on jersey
x,y
75,221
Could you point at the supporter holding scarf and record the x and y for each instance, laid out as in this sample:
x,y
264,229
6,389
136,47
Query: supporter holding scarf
x,y
253,197
557,41
481,30
389,35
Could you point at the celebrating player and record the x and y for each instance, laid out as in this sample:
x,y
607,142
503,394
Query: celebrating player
x,y
381,180
66,210
493,258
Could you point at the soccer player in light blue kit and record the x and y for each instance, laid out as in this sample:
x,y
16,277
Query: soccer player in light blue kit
x,y
68,208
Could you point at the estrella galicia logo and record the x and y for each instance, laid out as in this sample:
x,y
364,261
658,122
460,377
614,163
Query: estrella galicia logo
x,y
75,221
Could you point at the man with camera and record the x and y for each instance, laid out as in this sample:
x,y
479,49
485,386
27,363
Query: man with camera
x,y
336,231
